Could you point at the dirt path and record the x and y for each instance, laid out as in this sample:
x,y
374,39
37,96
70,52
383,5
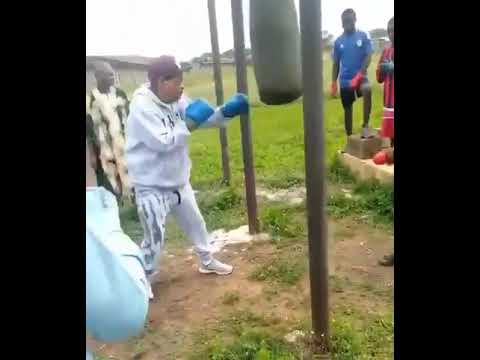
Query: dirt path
x,y
186,301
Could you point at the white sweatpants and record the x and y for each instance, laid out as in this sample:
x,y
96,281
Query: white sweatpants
x,y
154,206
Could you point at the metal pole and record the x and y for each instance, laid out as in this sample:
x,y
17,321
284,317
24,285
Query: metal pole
x,y
312,65
242,87
217,75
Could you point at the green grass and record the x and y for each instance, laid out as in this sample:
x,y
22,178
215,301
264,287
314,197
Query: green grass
x,y
283,221
373,339
370,200
243,335
285,271
252,345
340,284
277,133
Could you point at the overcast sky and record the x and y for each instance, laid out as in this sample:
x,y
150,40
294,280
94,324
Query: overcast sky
x,y
180,27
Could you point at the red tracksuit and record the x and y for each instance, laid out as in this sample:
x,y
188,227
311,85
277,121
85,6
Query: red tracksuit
x,y
388,95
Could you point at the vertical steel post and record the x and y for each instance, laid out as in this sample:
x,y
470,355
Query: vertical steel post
x,y
313,115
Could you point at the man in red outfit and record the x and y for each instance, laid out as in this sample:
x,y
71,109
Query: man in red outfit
x,y
385,75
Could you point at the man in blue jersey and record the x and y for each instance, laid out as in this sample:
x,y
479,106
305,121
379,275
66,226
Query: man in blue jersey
x,y
352,53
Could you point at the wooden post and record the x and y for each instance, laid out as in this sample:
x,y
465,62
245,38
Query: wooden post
x,y
217,75
242,87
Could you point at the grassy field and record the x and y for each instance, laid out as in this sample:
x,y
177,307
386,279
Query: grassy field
x,y
253,328
277,131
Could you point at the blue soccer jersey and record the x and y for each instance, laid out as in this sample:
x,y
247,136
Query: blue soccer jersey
x,y
350,50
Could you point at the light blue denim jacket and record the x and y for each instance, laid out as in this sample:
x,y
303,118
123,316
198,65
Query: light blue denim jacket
x,y
116,286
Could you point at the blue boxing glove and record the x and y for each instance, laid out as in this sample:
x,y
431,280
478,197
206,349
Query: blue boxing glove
x,y
199,111
237,105
387,67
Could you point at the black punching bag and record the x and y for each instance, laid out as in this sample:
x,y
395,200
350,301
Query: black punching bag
x,y
275,40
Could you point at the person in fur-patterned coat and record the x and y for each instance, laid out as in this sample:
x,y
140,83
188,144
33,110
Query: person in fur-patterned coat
x,y
107,111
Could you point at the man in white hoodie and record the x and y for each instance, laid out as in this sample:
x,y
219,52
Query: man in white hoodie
x,y
158,127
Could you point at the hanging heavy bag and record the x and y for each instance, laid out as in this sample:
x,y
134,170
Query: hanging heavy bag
x,y
275,39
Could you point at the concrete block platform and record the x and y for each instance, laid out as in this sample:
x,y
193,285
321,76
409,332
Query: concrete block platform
x,y
366,169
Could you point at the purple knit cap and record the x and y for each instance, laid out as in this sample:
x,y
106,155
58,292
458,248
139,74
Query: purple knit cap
x,y
164,68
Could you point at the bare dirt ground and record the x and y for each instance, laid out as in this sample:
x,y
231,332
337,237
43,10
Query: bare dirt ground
x,y
186,302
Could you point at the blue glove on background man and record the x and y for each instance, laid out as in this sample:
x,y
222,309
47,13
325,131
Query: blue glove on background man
x,y
387,67
237,105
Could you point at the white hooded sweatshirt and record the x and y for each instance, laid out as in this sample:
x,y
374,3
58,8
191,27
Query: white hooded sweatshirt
x,y
156,149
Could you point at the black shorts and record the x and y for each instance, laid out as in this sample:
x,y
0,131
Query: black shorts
x,y
348,95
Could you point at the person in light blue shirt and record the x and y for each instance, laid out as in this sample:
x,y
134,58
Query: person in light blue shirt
x,y
352,54
116,286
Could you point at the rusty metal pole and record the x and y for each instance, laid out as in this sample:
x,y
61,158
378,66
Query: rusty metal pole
x,y
313,118
217,76
242,87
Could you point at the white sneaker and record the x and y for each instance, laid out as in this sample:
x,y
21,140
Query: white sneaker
x,y
152,279
150,292
216,267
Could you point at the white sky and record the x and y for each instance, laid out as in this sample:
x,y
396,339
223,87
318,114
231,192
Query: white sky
x,y
181,28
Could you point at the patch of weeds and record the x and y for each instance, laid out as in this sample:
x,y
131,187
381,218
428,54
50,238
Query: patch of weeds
x,y
222,200
241,320
340,206
371,339
231,297
355,335
282,221
378,338
284,182
339,174
377,199
386,293
222,209
346,340
251,345
270,292
338,284
370,199
285,272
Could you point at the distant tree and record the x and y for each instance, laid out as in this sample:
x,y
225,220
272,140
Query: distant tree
x,y
185,66
231,53
327,39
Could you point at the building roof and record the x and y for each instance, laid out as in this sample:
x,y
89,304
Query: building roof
x,y
125,60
